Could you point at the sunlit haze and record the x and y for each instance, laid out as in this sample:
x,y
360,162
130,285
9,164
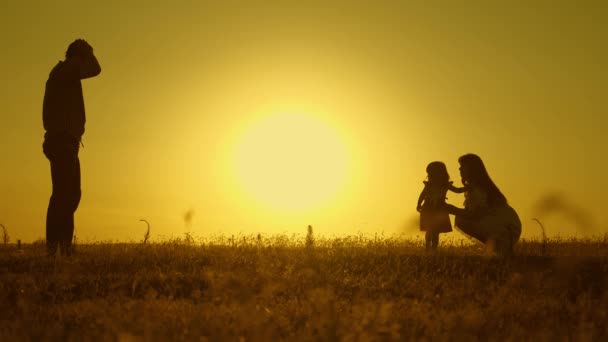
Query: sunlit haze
x,y
291,162
265,117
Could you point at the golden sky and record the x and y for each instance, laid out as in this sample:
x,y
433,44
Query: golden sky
x,y
267,116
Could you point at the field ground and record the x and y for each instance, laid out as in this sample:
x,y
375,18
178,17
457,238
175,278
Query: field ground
x,y
279,289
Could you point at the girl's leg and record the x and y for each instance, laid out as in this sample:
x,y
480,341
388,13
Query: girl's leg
x,y
435,241
428,240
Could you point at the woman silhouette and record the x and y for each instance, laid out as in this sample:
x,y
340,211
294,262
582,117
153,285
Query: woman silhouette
x,y
486,216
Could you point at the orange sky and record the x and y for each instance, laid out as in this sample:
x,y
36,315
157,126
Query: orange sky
x,y
393,86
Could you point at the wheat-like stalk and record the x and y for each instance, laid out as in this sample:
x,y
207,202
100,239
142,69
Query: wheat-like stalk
x,y
5,236
189,239
310,238
542,228
147,234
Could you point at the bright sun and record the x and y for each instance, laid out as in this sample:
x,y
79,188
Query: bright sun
x,y
291,162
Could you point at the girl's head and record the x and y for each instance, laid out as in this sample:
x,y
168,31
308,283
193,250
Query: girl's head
x,y
473,173
437,173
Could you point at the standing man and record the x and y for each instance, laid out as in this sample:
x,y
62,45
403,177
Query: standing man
x,y
64,118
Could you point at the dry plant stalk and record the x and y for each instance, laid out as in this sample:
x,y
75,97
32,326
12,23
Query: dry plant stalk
x,y
542,227
147,234
189,239
5,237
310,238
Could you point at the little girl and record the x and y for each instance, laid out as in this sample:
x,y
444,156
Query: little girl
x,y
434,217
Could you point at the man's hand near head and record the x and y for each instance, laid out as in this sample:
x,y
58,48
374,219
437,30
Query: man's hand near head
x,y
81,52
82,48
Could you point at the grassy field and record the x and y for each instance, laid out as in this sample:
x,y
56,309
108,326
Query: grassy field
x,y
281,289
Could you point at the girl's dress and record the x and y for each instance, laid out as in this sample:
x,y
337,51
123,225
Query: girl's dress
x,y
434,216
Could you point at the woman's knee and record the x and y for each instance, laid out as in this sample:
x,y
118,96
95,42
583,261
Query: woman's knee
x,y
471,228
463,222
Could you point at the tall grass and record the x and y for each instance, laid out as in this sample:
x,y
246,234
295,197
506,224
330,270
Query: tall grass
x,y
544,235
5,237
147,233
257,287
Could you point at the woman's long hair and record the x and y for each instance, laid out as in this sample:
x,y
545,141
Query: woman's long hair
x,y
477,175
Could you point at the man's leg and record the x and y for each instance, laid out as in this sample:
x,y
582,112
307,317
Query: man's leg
x,y
74,199
52,238
56,212
65,177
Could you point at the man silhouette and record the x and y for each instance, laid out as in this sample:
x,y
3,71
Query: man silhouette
x,y
63,117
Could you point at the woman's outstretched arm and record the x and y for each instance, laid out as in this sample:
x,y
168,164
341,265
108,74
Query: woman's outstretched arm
x,y
456,189
456,211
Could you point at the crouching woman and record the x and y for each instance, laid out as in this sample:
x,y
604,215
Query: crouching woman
x,y
486,215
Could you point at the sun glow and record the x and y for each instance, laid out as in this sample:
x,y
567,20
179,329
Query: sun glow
x,y
291,162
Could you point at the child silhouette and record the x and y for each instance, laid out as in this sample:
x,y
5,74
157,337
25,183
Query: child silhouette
x,y
434,218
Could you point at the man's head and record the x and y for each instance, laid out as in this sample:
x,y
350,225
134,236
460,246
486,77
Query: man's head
x,y
78,49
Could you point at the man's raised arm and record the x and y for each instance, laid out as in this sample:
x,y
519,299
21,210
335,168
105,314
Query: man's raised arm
x,y
89,66
80,54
